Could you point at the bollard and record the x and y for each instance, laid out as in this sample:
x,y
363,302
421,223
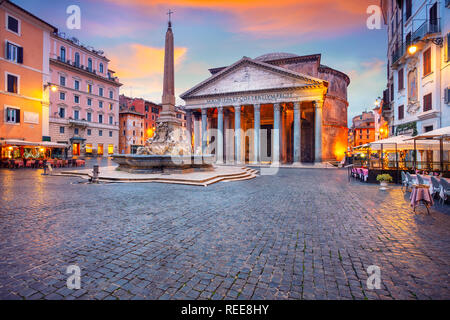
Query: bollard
x,y
95,173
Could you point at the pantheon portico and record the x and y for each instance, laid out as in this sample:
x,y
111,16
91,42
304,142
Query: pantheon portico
x,y
277,108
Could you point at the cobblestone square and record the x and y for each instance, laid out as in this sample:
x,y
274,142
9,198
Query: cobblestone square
x,y
301,234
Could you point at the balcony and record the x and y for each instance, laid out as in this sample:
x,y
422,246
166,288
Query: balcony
x,y
78,123
429,27
398,53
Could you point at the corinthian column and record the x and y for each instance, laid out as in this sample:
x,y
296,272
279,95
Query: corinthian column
x,y
237,133
204,130
318,130
276,134
297,133
219,151
257,127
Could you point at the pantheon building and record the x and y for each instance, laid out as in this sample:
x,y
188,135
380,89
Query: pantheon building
x,y
277,108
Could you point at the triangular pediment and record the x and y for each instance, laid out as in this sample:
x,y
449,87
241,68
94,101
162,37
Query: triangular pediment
x,y
250,75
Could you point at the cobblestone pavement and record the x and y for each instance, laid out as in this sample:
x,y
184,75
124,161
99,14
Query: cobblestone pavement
x,y
302,234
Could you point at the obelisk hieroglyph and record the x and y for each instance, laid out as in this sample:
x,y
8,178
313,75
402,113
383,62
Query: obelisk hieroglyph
x,y
168,114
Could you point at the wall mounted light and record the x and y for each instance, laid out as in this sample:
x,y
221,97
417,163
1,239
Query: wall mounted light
x,y
52,87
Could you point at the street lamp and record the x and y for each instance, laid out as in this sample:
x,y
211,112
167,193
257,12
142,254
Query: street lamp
x,y
378,102
412,49
52,87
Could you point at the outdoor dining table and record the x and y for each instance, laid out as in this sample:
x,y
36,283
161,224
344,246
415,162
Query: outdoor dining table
x,y
17,163
363,173
421,193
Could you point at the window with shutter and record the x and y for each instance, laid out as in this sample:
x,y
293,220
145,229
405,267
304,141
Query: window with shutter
x,y
13,24
14,53
12,115
12,84
408,9
427,102
448,47
400,79
427,62
401,112
20,55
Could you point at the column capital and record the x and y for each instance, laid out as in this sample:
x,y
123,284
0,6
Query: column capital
x,y
318,103
257,107
296,105
220,109
276,107
204,111
237,108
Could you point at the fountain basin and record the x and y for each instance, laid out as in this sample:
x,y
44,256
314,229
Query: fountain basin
x,y
163,163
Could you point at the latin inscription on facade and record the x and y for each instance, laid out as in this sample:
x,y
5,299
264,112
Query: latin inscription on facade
x,y
251,98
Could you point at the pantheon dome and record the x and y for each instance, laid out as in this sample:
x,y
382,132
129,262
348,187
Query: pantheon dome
x,y
275,56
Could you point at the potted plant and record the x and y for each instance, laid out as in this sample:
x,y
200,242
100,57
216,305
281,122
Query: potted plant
x,y
384,180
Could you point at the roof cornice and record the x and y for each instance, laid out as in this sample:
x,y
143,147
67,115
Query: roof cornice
x,y
85,73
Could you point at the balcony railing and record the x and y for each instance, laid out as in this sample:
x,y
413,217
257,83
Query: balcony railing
x,y
398,53
428,27
77,122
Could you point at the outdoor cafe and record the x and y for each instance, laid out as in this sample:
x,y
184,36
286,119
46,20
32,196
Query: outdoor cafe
x,y
421,163
428,152
15,154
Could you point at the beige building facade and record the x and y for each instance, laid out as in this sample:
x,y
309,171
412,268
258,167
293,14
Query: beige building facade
x,y
84,104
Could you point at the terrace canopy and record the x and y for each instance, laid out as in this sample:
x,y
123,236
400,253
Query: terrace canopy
x,y
438,151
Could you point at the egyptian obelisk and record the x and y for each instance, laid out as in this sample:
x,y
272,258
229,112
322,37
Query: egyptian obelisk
x,y
168,114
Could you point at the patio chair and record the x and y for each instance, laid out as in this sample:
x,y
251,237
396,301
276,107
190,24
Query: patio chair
x,y
420,179
410,181
404,180
445,192
435,186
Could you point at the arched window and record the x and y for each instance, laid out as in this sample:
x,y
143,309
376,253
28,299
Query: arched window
x,y
101,67
62,54
77,59
90,64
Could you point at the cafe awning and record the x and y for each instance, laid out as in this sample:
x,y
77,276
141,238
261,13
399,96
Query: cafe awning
x,y
434,134
77,139
395,142
21,143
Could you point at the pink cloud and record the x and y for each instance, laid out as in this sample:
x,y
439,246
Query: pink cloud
x,y
140,68
271,18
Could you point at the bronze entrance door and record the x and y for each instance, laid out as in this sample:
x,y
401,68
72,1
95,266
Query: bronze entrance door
x,y
307,137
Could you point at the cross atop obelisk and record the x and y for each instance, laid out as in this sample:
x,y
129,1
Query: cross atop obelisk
x,y
170,16
168,113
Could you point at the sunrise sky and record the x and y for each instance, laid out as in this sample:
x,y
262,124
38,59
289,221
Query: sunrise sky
x,y
217,33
